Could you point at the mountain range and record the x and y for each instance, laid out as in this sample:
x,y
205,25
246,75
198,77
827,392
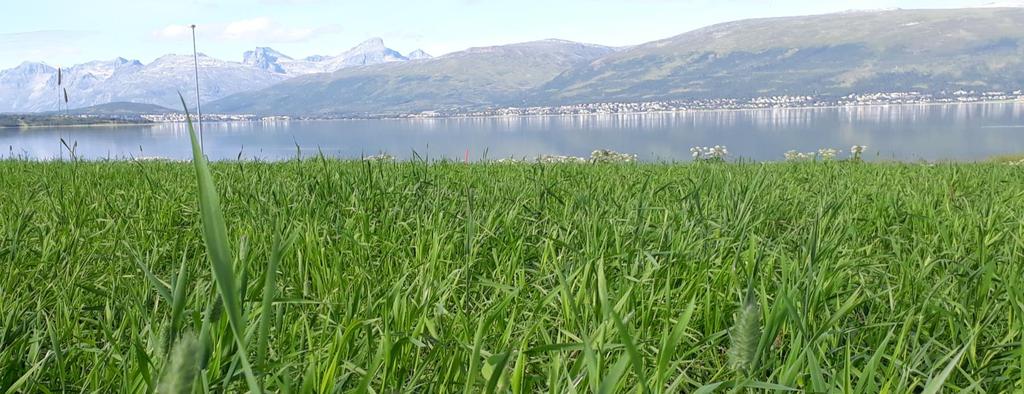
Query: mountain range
x,y
32,86
929,51
370,52
472,78
826,55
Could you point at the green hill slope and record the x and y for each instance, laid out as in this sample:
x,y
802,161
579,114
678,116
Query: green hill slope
x,y
472,78
930,51
925,50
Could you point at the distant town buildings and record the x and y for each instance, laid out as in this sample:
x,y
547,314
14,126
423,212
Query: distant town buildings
x,y
179,117
766,102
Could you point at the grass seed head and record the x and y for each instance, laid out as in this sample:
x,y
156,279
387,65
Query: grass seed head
x,y
744,336
182,368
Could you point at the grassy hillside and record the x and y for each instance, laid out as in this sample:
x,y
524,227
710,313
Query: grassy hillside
x,y
28,120
472,78
123,109
931,51
835,54
525,278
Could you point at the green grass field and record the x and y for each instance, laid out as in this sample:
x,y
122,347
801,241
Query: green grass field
x,y
444,277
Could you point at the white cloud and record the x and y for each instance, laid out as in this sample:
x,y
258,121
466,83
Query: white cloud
x,y
246,27
266,30
171,32
51,46
260,29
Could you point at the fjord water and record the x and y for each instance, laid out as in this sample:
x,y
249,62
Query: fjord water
x,y
964,132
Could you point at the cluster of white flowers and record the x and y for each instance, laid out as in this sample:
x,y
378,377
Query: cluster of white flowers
x,y
597,156
717,152
155,158
383,157
799,156
552,159
827,153
1016,162
610,156
857,150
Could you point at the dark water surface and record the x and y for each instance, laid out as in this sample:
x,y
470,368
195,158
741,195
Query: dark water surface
x,y
912,132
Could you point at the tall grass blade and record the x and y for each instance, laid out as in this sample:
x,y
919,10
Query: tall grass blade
x,y
634,354
474,360
16,387
267,304
611,381
499,372
669,346
935,384
161,288
178,299
219,250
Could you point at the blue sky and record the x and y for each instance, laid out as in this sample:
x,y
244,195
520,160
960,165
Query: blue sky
x,y
64,32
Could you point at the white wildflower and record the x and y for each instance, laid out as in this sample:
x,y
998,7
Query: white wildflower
x,y
793,155
553,159
610,156
383,157
715,153
827,153
856,151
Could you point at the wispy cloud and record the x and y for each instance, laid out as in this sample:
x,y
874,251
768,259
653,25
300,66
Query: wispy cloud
x,y
252,27
43,36
171,32
262,29
46,45
290,2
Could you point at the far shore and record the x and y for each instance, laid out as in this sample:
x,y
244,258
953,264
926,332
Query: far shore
x,y
39,126
701,110
509,116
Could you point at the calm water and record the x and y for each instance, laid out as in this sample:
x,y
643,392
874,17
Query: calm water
x,y
938,132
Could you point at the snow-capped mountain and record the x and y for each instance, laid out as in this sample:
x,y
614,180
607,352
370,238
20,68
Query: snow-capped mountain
x,y
160,81
32,86
267,59
1005,4
474,78
370,52
419,54
26,87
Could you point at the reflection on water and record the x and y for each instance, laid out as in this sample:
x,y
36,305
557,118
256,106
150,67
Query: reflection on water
x,y
909,132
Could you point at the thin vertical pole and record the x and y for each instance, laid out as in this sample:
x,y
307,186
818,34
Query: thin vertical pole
x,y
199,105
60,81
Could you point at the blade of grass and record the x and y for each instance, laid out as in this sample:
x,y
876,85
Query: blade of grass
x,y
178,300
935,384
634,355
266,306
218,249
668,350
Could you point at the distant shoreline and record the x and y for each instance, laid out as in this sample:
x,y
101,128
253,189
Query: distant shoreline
x,y
39,126
709,110
665,112
702,110
511,116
